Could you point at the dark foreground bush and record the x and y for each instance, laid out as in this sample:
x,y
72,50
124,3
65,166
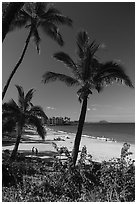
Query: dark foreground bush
x,y
117,180
87,182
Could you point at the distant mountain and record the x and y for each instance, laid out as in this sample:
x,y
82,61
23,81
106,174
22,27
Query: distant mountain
x,y
103,121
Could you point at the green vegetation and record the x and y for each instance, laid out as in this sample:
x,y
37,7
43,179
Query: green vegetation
x,y
17,115
89,74
35,180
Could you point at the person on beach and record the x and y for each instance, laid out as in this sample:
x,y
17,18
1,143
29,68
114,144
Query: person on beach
x,y
34,150
125,150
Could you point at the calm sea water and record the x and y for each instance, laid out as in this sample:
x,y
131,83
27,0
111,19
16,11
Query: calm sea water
x,y
121,132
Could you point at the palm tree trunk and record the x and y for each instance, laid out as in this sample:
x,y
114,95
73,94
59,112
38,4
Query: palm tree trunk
x,y
8,16
19,133
79,131
17,65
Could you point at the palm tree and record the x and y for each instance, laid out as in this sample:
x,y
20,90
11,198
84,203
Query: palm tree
x,y
89,74
20,114
9,12
33,16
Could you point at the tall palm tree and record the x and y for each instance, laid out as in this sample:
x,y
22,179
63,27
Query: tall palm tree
x,y
9,12
33,16
20,114
89,74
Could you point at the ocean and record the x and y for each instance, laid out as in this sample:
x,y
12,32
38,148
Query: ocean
x,y
120,132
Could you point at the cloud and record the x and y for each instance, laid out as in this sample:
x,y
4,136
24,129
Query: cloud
x,y
119,61
50,108
100,106
89,109
106,106
103,46
94,109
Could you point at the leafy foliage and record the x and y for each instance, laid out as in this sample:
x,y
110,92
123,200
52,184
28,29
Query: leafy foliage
x,y
23,113
52,76
35,180
88,72
117,181
41,14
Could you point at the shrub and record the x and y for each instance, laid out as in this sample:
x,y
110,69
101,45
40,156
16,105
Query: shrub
x,y
67,179
88,181
117,180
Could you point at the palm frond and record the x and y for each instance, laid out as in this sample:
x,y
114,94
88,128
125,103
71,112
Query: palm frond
x,y
82,43
19,22
117,77
4,8
86,68
20,95
38,111
112,71
36,39
28,98
52,76
34,120
31,104
67,60
21,19
95,65
40,8
51,12
99,87
110,66
57,37
8,114
94,47
82,39
53,32
23,13
59,19
29,95
29,8
80,51
11,106
8,125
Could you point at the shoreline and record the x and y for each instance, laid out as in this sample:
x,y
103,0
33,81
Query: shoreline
x,y
110,131
98,148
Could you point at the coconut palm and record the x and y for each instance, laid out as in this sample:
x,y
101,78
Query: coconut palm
x,y
34,16
21,114
9,11
89,74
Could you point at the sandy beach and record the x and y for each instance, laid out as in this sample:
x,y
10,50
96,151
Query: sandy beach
x,y
98,148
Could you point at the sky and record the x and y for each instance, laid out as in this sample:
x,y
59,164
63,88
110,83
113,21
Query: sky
x,y
112,25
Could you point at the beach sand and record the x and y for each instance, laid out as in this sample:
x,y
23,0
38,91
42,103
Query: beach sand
x,y
99,149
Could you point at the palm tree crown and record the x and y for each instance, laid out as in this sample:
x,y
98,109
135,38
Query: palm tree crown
x,y
23,113
33,16
39,14
88,72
